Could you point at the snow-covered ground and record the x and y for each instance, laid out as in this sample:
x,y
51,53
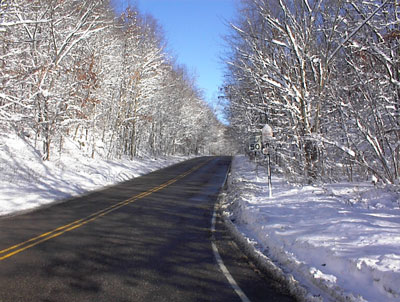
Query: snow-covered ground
x,y
340,241
27,182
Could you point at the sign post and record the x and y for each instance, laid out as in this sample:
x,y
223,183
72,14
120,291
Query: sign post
x,y
267,137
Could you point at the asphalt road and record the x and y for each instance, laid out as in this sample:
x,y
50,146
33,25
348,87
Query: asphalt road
x,y
147,239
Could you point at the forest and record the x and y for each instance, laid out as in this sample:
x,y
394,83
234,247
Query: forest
x,y
324,74
74,70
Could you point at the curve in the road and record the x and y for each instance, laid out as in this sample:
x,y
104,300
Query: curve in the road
x,y
20,247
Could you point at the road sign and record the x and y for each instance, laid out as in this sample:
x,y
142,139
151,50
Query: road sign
x,y
255,143
267,133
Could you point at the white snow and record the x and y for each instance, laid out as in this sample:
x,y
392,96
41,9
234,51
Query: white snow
x,y
340,241
27,182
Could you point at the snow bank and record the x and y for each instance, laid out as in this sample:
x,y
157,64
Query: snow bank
x,y
26,182
340,241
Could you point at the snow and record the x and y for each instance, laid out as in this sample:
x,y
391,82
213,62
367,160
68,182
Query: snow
x,y
27,182
340,241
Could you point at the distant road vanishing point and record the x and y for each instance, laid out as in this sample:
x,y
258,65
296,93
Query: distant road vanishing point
x,y
147,239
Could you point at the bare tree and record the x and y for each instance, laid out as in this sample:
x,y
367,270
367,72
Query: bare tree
x,y
72,70
324,74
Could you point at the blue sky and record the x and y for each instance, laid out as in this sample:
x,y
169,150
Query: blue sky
x,y
194,31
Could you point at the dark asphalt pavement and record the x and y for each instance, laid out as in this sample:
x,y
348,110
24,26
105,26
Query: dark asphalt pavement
x,y
147,239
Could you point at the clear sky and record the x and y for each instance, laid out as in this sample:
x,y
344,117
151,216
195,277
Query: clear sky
x,y
194,31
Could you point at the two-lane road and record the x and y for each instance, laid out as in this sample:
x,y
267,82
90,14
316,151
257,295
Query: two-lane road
x,y
147,239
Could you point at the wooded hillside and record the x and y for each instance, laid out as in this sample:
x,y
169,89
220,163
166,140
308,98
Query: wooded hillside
x,y
74,70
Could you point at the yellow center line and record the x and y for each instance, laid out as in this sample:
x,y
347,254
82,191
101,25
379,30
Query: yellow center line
x,y
20,247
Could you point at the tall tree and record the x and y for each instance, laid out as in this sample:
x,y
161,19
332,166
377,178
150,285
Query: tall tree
x,y
307,67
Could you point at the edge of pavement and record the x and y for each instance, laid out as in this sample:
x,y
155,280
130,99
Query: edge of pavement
x,y
259,259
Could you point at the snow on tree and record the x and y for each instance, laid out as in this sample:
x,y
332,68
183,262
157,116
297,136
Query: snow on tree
x,y
324,75
71,70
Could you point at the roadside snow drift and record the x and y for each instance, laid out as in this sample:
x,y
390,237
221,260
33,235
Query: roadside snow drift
x,y
342,239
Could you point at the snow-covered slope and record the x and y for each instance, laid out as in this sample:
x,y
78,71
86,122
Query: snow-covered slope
x,y
27,182
340,241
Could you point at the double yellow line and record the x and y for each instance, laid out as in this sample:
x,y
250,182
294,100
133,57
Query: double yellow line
x,y
20,247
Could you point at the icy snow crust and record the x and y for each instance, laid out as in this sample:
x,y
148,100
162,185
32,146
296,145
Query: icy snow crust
x,y
341,242
26,182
